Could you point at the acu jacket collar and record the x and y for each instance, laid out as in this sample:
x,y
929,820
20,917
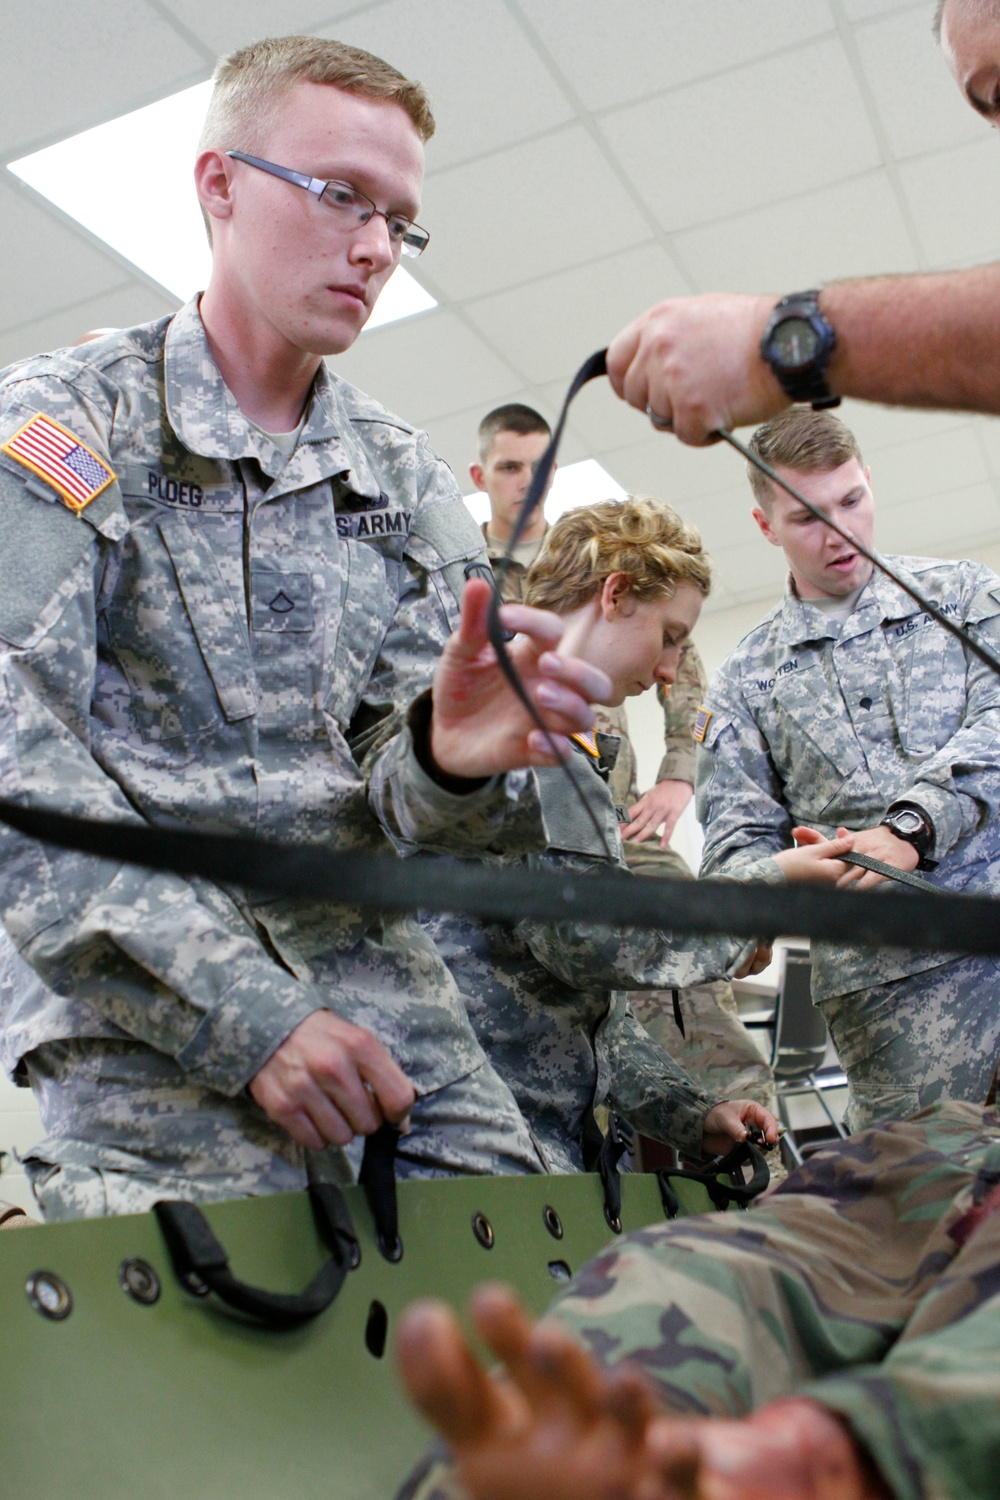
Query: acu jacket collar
x,y
205,416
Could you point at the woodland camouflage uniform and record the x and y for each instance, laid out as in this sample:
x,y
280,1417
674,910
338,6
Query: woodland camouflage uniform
x,y
869,1281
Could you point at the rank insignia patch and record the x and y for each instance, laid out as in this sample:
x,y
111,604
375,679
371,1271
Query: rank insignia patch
x,y
56,455
700,728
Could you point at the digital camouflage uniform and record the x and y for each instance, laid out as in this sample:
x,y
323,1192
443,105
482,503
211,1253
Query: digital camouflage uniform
x,y
715,1047
226,640
816,724
538,993
868,1282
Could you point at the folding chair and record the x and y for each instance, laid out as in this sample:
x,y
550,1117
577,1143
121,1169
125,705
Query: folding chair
x,y
800,1047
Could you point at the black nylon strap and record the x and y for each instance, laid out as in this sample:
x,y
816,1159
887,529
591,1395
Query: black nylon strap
x,y
378,1178
197,1255
941,920
721,1192
891,872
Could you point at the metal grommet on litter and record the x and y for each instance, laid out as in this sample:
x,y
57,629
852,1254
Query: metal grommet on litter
x,y
559,1270
552,1222
49,1295
389,1249
483,1230
139,1281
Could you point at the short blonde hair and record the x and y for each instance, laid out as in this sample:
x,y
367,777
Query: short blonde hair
x,y
642,538
803,440
250,84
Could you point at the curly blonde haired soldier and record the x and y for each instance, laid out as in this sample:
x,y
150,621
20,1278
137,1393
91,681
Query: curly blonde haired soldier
x,y
627,579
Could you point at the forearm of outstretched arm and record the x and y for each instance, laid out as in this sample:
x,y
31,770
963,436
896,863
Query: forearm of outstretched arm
x,y
925,340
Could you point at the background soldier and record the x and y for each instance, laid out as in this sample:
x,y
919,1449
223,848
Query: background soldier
x,y
225,580
849,707
713,1046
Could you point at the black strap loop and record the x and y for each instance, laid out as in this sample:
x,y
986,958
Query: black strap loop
x,y
722,1193
613,1148
199,1258
378,1178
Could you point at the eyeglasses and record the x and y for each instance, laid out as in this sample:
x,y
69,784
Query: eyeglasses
x,y
350,207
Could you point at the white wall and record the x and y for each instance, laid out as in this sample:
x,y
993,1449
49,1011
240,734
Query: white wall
x,y
20,1128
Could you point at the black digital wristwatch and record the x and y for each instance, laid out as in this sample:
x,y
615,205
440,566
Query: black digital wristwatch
x,y
912,825
797,345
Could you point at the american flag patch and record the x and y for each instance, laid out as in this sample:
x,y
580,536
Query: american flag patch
x,y
700,728
56,455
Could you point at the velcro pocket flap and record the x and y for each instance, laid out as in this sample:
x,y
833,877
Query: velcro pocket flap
x,y
216,623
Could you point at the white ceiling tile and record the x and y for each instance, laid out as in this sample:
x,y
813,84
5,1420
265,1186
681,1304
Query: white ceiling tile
x,y
487,84
66,66
122,308
526,212
955,199
542,324
988,430
918,103
854,228
426,367
46,263
661,466
928,528
225,25
878,427
602,420
756,135
865,10
614,53
935,465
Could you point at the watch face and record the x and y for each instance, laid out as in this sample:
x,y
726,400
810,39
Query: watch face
x,y
795,343
907,821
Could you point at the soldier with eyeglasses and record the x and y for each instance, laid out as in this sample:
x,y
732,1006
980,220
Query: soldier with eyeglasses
x,y
228,579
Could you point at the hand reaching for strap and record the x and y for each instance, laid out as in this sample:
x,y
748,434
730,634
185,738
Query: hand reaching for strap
x,y
479,727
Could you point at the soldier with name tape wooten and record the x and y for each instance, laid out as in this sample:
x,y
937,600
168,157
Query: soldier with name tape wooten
x,y
849,706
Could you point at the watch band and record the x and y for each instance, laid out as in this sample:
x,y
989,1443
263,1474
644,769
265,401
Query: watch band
x,y
807,383
921,839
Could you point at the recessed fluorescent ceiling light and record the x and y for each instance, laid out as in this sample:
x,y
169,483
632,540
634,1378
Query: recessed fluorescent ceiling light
x,y
129,182
583,483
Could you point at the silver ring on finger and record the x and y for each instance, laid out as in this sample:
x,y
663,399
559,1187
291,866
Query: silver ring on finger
x,y
662,424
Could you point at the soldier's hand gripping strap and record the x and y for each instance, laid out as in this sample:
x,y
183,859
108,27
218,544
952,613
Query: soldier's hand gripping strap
x,y
198,1258
378,1178
721,1193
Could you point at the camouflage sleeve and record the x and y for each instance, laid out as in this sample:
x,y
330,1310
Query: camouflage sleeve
x,y
959,785
680,703
144,953
647,1087
412,808
623,958
737,789
928,1414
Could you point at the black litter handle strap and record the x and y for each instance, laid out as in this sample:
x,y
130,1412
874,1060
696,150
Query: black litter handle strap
x,y
722,1193
200,1261
890,872
378,1178
613,1148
